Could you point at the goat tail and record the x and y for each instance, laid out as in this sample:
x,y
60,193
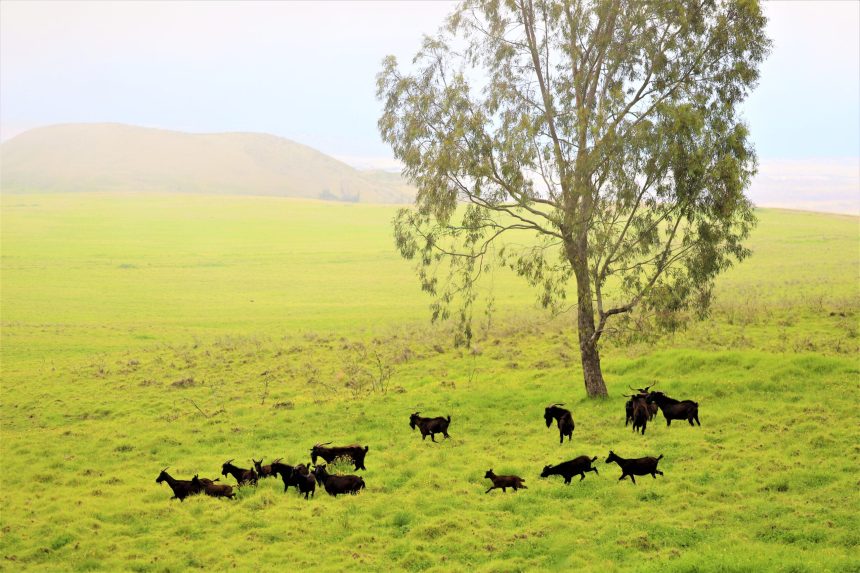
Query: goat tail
x,y
449,418
660,457
366,448
594,459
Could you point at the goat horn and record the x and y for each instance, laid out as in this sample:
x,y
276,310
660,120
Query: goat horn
x,y
228,461
165,468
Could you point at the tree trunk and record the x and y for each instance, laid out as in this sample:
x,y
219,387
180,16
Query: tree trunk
x,y
594,384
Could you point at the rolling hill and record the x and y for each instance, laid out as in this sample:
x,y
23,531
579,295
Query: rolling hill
x,y
115,157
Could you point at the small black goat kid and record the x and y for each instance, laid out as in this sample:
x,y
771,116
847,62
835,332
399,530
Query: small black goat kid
x,y
241,475
568,469
504,482
355,453
264,471
674,409
430,426
338,484
564,419
635,466
212,489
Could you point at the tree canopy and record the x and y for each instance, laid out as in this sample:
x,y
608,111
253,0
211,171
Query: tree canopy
x,y
609,129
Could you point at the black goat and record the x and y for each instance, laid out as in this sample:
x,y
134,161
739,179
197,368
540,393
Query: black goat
x,y
571,468
305,482
295,476
628,406
675,410
564,419
212,489
285,471
264,471
338,484
635,466
431,426
504,482
639,412
181,488
241,475
355,453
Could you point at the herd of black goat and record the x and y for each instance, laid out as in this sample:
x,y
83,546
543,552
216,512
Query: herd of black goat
x,y
640,409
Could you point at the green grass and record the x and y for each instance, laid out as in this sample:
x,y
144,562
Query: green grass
x,y
124,317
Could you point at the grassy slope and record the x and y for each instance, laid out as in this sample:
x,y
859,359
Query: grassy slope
x,y
112,157
109,300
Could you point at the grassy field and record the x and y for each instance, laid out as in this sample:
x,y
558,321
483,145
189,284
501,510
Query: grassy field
x,y
146,331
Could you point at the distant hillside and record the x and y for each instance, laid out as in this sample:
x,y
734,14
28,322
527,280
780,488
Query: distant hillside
x,y
113,157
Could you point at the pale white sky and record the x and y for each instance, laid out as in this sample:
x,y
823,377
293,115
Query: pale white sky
x,y
306,71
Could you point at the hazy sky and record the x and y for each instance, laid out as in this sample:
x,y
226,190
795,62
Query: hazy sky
x,y
306,71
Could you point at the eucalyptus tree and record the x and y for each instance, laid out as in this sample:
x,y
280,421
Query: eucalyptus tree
x,y
607,129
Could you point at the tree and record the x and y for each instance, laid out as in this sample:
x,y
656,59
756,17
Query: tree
x,y
607,129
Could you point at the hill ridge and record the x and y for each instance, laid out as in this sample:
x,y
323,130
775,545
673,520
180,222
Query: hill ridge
x,y
74,157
